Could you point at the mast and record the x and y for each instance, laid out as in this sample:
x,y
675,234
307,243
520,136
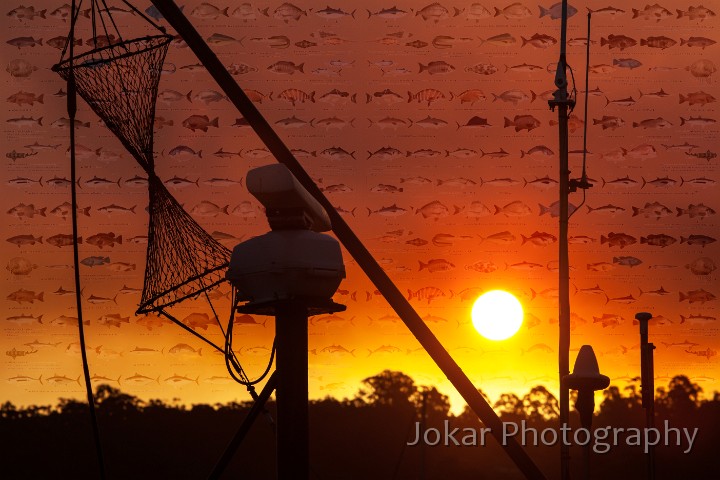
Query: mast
x,y
562,101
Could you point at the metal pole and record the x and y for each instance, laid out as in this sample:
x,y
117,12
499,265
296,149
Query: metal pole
x,y
586,378
291,332
563,103
647,384
423,427
585,405
348,238
257,408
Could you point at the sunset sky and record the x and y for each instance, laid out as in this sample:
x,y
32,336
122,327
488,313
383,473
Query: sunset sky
x,y
429,129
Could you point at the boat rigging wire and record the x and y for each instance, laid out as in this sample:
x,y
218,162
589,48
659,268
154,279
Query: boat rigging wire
x,y
72,109
583,184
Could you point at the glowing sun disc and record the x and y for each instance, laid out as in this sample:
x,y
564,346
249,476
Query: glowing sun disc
x,y
497,315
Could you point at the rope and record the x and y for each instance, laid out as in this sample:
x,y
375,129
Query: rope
x,y
72,109
188,329
231,359
587,87
111,20
234,359
73,20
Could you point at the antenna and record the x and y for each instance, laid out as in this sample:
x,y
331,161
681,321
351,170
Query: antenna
x,y
582,182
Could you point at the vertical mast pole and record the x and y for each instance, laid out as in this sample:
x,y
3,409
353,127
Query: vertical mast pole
x,y
291,331
647,384
563,103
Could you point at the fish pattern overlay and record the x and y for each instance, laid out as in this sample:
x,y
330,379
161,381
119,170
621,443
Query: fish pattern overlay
x,y
428,127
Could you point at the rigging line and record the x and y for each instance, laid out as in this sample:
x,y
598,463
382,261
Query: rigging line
x,y
102,21
229,354
113,22
229,336
269,365
587,80
230,357
580,205
71,35
249,385
228,351
185,327
573,96
72,109
230,360
92,22
207,297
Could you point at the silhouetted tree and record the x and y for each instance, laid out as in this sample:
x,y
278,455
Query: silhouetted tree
x,y
540,405
681,400
157,439
616,409
633,393
111,401
155,405
388,388
70,406
437,405
8,410
35,411
510,408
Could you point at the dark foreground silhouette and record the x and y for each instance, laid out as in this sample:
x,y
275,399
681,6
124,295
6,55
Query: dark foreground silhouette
x,y
360,438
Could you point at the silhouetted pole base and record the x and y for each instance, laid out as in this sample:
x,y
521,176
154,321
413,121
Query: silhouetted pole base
x,y
585,405
647,384
291,333
291,369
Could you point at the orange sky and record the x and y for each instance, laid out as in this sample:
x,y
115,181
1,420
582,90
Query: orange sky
x,y
483,178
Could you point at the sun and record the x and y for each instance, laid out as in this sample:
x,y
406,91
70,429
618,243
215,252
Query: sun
x,y
497,315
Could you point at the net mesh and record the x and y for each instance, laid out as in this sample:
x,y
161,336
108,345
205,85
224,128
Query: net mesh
x,y
120,83
183,259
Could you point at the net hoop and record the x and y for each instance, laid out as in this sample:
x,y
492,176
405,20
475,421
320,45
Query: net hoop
x,y
81,61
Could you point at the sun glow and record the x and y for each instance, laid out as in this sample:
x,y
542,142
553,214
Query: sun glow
x,y
497,315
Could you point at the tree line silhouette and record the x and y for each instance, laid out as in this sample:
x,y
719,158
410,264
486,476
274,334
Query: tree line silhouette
x,y
364,437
